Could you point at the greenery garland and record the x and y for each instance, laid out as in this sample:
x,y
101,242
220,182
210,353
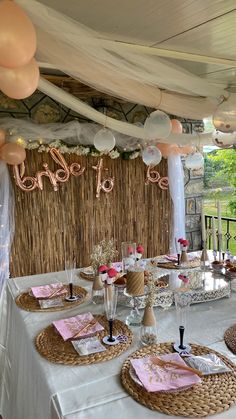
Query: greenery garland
x,y
81,150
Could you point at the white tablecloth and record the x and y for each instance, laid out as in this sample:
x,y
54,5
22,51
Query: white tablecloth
x,y
33,388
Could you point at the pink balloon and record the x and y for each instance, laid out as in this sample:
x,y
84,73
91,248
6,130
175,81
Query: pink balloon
x,y
21,82
2,136
12,153
176,127
17,36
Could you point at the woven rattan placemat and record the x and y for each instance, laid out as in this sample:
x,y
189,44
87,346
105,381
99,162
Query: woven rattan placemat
x,y
29,303
214,394
84,275
230,338
51,346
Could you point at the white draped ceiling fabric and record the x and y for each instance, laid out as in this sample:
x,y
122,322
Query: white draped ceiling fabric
x,y
107,66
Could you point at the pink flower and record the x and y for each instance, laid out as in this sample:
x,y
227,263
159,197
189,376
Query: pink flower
x,y
184,278
103,269
112,273
140,249
185,243
180,240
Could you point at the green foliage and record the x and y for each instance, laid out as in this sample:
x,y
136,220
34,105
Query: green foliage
x,y
232,206
225,163
213,176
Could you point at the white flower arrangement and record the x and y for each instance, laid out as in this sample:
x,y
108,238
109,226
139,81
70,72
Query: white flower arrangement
x,y
79,150
134,155
32,146
114,154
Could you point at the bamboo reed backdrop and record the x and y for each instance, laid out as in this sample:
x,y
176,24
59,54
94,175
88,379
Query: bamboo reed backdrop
x,y
50,226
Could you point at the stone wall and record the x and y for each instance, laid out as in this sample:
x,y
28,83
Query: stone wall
x,y
193,204
42,109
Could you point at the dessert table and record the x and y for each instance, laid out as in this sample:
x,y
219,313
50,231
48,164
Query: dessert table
x,y
32,387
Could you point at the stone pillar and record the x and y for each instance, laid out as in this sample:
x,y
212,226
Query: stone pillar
x,y
193,204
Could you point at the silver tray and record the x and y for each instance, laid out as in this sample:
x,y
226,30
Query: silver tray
x,y
205,286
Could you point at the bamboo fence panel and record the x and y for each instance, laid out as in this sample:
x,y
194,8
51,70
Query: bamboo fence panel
x,y
51,225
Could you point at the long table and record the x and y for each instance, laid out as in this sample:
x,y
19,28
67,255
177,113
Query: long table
x,y
33,388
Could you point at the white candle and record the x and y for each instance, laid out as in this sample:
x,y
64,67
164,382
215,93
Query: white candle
x,y
219,217
203,225
214,241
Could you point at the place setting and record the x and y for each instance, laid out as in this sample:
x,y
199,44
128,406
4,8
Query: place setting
x,y
56,296
178,378
86,338
181,260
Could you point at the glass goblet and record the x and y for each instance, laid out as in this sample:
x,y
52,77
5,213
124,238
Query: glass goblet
x,y
70,267
110,302
182,299
134,289
128,251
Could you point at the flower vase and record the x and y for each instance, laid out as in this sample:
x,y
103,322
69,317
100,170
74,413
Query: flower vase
x,y
97,290
184,256
148,328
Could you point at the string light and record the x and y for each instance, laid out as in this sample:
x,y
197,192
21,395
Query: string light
x,y
21,141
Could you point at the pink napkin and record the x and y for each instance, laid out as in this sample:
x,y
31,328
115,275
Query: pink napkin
x,y
68,328
49,291
156,378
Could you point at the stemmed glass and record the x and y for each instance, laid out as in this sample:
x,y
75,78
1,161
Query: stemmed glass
x,y
70,267
110,302
183,299
128,251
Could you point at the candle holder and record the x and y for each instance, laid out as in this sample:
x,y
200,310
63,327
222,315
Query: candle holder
x,y
214,254
204,256
220,246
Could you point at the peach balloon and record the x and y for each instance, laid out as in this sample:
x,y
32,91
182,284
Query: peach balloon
x,y
176,127
168,149
2,136
12,153
17,36
21,82
187,149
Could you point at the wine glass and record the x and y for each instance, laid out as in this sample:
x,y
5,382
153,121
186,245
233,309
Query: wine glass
x,y
110,302
182,299
128,251
70,267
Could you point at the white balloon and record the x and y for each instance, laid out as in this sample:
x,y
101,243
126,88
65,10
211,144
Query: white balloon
x,y
151,155
104,140
224,118
223,139
194,161
157,125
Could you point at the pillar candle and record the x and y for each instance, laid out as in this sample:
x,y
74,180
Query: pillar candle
x,y
219,217
203,225
214,241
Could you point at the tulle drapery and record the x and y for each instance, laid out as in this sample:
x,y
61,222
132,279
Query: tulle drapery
x,y
6,222
133,75
176,187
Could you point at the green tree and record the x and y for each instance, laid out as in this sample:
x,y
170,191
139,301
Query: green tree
x,y
227,167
